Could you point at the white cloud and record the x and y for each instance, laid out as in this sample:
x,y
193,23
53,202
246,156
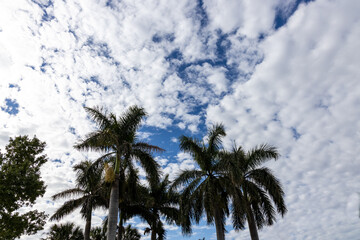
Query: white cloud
x,y
307,83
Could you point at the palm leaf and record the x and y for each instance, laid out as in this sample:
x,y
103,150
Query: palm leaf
x,y
67,208
68,193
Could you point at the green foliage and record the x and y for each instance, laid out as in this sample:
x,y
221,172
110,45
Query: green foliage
x,y
204,188
117,137
97,233
256,193
161,202
20,186
64,231
131,233
90,191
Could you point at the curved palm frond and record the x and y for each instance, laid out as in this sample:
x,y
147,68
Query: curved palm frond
x,y
265,178
186,177
147,162
196,150
68,193
260,155
254,191
99,141
99,115
130,120
214,138
67,207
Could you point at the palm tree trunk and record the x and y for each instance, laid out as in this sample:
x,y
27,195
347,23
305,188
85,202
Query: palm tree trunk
x,y
121,228
113,209
88,223
220,231
153,233
252,224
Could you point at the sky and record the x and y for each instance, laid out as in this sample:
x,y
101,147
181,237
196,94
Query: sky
x,y
281,72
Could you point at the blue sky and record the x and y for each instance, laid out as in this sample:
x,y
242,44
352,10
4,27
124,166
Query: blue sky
x,y
281,72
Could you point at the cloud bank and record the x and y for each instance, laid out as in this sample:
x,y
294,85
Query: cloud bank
x,y
281,72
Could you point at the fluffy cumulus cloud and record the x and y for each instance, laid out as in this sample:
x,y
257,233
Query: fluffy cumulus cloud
x,y
303,98
280,72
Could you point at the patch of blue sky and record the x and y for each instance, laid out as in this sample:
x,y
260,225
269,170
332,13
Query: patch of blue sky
x,y
94,79
11,106
175,58
282,15
174,55
295,133
72,130
201,14
100,48
11,85
276,117
44,5
322,105
164,138
30,66
158,37
111,4
73,33
43,65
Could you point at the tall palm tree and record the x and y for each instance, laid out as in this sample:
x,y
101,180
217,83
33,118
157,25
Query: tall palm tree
x,y
92,192
161,201
117,137
254,189
65,231
205,187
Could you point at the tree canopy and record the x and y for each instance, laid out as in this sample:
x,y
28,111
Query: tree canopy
x,y
20,186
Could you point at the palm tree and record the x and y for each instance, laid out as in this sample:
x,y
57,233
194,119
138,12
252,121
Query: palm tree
x,y
97,233
117,137
92,192
130,203
65,231
205,187
161,200
254,189
131,233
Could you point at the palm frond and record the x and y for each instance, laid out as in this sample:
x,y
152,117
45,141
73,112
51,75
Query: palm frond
x,y
67,208
264,178
130,120
260,155
99,141
147,147
194,147
148,163
186,177
68,193
214,138
99,116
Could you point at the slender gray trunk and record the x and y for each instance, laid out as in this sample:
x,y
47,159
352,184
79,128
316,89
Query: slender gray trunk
x,y
252,224
153,233
88,223
113,209
220,231
121,227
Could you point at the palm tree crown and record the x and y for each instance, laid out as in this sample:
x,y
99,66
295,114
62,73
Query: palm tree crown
x,y
161,201
254,189
64,231
91,190
117,137
204,187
